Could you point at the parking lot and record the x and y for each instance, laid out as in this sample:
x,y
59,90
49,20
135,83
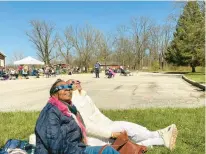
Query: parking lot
x,y
142,90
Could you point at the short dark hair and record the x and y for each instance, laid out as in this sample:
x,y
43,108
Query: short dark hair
x,y
51,92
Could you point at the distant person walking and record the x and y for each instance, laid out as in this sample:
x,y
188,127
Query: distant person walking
x,y
97,68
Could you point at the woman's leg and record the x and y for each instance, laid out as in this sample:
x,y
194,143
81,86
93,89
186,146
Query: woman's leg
x,y
151,142
109,150
140,134
136,132
96,149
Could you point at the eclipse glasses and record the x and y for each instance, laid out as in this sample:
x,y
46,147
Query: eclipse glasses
x,y
61,87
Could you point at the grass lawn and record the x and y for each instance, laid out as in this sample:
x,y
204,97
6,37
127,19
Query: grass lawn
x,y
198,77
177,69
190,123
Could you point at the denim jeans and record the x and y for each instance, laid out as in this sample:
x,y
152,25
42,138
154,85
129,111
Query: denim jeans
x,y
96,149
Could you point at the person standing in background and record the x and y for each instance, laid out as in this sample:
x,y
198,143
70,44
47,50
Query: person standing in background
x,y
20,68
97,68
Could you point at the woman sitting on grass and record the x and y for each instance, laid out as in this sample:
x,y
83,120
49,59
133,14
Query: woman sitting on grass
x,y
101,127
58,130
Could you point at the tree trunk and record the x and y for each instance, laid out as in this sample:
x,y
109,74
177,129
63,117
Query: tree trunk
x,y
86,69
138,66
47,61
142,63
193,68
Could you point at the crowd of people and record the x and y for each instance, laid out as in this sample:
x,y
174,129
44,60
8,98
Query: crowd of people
x,y
24,71
14,73
70,123
111,71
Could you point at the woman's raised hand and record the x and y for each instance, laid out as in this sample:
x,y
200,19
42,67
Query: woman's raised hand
x,y
117,134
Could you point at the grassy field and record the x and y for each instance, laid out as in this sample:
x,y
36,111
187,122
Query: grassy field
x,y
190,123
198,77
174,69
183,69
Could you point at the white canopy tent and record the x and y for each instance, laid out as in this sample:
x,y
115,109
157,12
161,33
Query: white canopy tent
x,y
28,61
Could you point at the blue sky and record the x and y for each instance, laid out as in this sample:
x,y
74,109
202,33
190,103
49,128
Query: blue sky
x,y
105,16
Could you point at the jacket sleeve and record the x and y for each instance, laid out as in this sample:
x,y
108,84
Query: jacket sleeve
x,y
95,131
56,140
92,128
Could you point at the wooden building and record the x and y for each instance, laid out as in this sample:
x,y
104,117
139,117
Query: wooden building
x,y
2,60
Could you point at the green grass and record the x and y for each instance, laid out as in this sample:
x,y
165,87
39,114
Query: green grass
x,y
190,123
177,69
16,125
183,69
198,77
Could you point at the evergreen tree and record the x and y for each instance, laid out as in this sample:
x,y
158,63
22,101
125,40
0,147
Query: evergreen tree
x,y
187,46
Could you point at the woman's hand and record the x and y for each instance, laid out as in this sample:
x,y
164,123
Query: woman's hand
x,y
116,134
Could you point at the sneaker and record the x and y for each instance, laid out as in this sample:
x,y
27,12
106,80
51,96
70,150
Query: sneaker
x,y
169,135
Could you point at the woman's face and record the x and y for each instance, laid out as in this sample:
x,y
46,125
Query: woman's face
x,y
76,84
63,94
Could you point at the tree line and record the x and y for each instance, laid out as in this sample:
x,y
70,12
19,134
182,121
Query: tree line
x,y
140,43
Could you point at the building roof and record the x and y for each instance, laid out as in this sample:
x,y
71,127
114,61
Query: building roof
x,y
2,54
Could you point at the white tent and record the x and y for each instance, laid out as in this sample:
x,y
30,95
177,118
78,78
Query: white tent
x,y
28,61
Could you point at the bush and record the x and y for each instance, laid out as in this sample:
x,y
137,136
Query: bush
x,y
155,66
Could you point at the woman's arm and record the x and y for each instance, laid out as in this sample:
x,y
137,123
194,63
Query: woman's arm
x,y
97,124
96,131
98,118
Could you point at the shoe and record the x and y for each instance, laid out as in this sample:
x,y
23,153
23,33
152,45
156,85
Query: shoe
x,y
169,135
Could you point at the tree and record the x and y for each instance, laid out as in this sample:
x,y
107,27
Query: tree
x,y
160,37
187,46
84,43
155,44
43,38
104,47
120,45
64,49
17,56
140,28
166,35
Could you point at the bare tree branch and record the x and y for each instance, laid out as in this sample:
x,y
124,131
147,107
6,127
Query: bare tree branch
x,y
17,56
84,41
42,36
